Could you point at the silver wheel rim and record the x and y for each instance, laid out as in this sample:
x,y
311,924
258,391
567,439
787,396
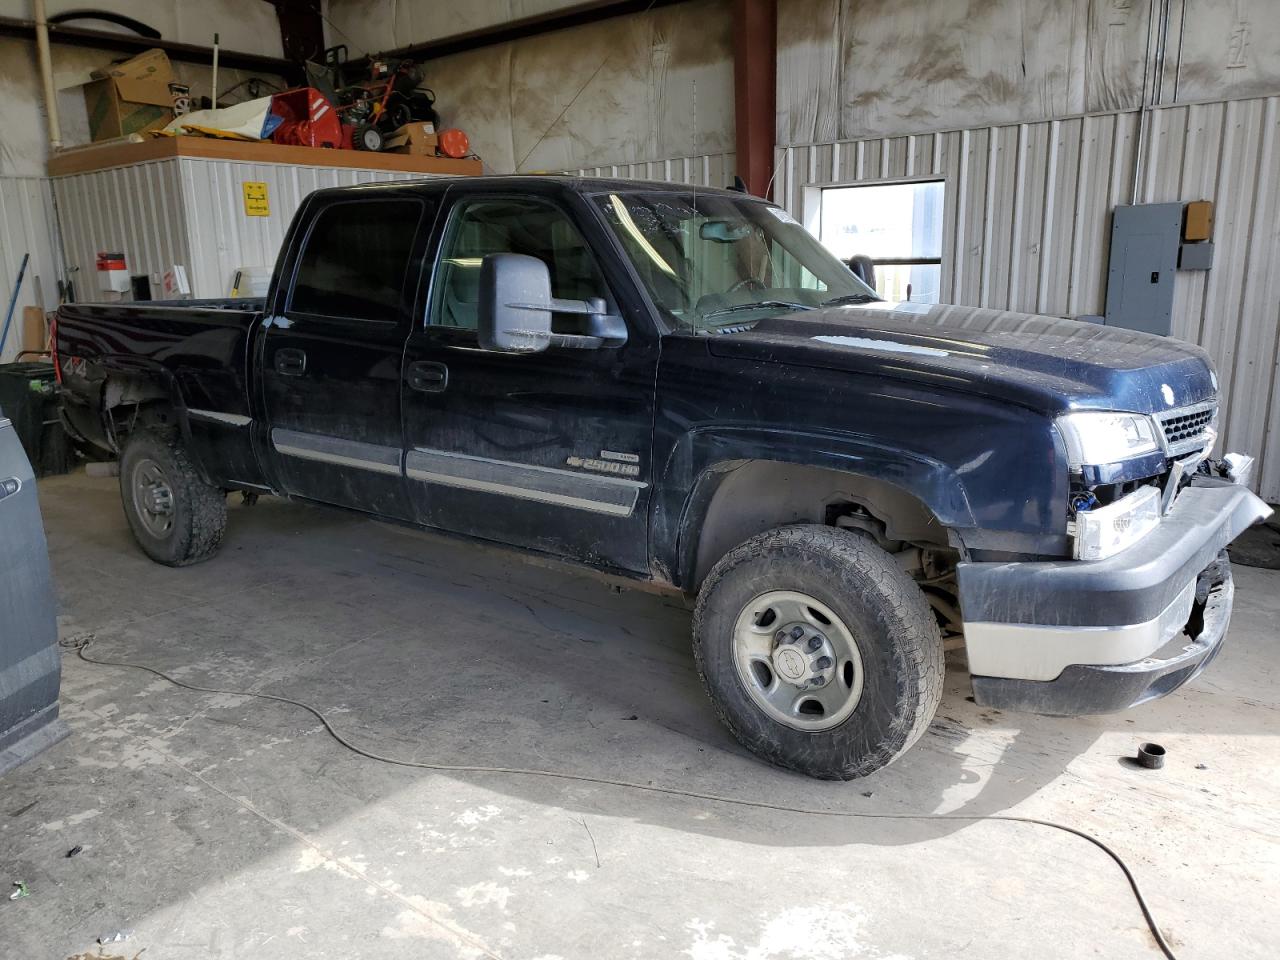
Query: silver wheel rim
x,y
152,498
797,660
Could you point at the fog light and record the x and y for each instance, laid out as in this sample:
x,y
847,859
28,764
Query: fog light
x,y
1105,531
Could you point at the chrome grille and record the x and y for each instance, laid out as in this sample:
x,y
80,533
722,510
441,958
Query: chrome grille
x,y
1188,428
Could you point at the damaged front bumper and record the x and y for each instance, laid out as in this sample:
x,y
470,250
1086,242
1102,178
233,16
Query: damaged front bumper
x,y
1072,637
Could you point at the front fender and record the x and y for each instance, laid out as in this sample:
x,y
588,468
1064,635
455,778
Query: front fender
x,y
702,458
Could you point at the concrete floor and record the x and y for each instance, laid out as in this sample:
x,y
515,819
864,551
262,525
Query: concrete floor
x,y
216,826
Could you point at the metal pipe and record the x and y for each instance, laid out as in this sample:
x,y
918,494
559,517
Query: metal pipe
x,y
46,75
1162,52
213,103
1140,146
1177,66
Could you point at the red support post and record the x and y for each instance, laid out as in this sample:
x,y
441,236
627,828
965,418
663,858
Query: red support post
x,y
755,72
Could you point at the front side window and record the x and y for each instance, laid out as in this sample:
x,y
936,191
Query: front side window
x,y
710,260
510,225
354,261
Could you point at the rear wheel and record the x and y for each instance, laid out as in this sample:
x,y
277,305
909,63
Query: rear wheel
x,y
818,651
176,517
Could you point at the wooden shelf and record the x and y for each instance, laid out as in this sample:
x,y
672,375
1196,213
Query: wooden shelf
x,y
107,155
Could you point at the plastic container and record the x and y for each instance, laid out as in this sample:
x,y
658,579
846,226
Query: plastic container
x,y
29,398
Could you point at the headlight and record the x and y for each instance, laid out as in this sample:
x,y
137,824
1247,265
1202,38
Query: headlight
x,y
1098,436
1105,531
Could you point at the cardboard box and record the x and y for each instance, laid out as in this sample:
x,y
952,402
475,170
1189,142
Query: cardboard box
x,y
130,97
35,332
417,138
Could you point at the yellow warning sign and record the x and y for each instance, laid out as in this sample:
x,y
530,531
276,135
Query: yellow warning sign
x,y
255,199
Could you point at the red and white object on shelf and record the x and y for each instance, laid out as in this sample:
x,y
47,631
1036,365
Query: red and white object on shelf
x,y
307,119
113,273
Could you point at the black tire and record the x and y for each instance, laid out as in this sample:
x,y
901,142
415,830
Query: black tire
x,y
891,622
367,137
198,512
396,116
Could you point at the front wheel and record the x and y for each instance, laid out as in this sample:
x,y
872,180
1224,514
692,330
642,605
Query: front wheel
x,y
176,517
819,653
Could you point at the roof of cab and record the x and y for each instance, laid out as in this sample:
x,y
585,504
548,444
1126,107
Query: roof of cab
x,y
542,183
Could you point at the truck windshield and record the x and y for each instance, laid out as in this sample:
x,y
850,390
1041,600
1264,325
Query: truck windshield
x,y
711,261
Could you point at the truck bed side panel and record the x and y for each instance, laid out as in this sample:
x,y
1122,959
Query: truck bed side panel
x,y
198,351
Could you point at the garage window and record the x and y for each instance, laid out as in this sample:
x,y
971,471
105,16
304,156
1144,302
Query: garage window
x,y
354,262
898,226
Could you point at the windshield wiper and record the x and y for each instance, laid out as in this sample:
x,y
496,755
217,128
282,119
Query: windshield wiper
x,y
757,305
852,298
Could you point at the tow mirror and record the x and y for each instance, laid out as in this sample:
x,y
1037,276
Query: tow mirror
x,y
516,305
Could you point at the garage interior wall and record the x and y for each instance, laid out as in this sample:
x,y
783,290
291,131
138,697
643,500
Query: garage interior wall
x,y
633,77
849,69
26,195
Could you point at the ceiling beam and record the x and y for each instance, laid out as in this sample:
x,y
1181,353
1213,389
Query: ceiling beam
x,y
71,36
533,26
301,30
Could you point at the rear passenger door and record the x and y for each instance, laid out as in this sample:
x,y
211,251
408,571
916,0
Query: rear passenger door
x,y
331,354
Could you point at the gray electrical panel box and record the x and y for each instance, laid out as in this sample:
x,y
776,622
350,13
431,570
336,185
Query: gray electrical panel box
x,y
1144,257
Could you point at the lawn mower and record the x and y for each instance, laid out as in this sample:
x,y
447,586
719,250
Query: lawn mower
x,y
376,106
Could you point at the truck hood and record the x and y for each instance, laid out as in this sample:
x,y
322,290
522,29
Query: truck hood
x,y
1046,363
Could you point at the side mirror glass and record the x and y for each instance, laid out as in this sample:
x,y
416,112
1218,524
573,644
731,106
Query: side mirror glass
x,y
516,305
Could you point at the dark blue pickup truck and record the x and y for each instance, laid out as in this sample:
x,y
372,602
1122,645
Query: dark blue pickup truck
x,y
683,386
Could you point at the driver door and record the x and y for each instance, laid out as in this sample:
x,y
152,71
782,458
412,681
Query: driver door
x,y
548,451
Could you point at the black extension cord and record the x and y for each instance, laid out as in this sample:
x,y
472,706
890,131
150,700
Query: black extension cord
x,y
81,643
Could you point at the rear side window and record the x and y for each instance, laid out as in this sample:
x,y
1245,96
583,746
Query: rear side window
x,y
354,262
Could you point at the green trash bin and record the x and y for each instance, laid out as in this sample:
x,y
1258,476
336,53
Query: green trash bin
x,y
29,398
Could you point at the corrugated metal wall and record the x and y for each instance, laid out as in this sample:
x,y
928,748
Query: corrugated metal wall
x,y
707,170
223,239
187,211
1028,210
26,226
136,210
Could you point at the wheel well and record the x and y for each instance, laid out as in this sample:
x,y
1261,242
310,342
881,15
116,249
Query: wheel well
x,y
762,494
130,402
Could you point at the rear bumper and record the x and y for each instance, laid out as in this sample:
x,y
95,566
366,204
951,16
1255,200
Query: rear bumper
x,y
1070,637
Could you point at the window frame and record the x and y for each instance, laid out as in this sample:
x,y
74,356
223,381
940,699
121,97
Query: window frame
x,y
457,205
416,252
